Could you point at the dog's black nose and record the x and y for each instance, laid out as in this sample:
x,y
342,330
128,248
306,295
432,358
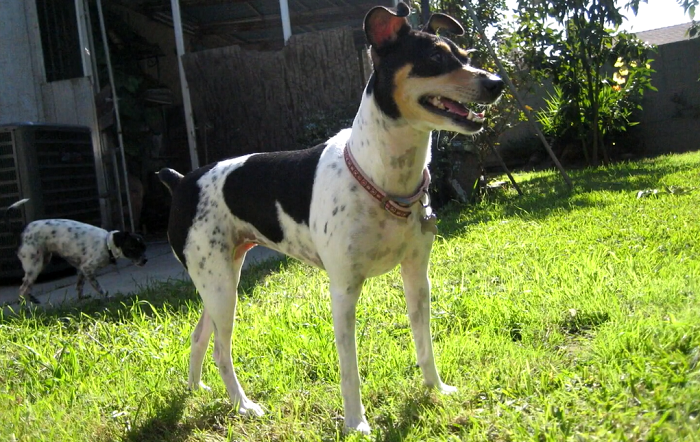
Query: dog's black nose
x,y
494,85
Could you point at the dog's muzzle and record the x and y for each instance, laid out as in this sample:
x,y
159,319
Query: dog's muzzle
x,y
141,262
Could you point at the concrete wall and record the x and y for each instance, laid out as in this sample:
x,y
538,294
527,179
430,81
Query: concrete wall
x,y
26,96
670,121
24,93
21,64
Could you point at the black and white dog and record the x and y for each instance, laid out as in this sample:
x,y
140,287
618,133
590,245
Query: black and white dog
x,y
85,247
355,206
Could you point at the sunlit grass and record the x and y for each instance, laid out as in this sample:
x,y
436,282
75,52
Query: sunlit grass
x,y
559,315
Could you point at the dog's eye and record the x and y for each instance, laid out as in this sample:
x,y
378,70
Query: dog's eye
x,y
437,57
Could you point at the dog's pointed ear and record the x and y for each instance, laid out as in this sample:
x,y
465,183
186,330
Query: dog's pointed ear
x,y
383,26
444,22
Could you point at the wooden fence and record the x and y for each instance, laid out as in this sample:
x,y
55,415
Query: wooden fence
x,y
249,101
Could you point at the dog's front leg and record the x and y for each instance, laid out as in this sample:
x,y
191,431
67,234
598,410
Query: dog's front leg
x,y
414,272
90,276
344,298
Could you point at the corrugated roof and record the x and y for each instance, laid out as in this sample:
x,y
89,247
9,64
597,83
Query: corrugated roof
x,y
662,36
256,24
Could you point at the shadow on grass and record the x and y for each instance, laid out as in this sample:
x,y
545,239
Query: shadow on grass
x,y
166,424
397,428
547,194
169,421
163,296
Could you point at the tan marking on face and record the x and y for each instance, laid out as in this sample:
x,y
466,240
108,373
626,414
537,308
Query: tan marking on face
x,y
463,53
407,93
444,46
460,85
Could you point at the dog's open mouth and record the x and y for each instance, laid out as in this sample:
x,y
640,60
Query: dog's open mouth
x,y
455,110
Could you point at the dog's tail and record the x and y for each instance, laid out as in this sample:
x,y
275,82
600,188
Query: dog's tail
x,y
170,178
9,209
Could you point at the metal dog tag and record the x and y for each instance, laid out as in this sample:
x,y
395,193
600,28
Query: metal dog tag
x,y
428,224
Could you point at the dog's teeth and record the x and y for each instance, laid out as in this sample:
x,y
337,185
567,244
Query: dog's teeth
x,y
437,102
476,117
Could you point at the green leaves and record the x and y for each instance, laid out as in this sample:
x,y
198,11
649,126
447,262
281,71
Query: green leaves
x,y
570,43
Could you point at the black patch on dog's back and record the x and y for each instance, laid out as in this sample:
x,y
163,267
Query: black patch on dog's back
x,y
183,210
252,191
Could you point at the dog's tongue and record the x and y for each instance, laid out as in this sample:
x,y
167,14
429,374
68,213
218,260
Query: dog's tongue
x,y
455,107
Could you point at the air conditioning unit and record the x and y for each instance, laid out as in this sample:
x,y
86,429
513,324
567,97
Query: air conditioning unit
x,y
53,166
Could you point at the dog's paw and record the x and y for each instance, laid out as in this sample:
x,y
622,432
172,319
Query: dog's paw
x,y
199,386
357,426
250,408
445,389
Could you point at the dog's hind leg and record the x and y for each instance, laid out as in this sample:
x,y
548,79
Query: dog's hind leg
x,y
216,276
80,283
414,272
198,349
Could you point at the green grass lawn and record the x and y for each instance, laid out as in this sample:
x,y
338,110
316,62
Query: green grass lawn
x,y
560,316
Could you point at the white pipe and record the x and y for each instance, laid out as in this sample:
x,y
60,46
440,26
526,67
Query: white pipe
x,y
187,104
286,22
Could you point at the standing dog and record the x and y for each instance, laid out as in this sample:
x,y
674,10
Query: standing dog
x,y
355,206
85,247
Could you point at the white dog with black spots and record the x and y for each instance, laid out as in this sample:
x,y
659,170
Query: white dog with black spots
x,y
86,247
355,205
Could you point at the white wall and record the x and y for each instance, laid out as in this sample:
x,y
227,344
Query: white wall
x,y
21,66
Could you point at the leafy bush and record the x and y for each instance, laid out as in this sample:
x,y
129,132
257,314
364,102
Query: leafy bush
x,y
589,104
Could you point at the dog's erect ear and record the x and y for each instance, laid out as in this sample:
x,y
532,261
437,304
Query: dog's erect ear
x,y
383,26
444,22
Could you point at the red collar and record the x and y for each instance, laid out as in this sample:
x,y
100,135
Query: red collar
x,y
396,205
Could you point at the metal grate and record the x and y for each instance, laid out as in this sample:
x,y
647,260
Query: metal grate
x,y
67,173
9,193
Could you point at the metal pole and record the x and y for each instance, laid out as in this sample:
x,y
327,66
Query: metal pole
x,y
91,47
286,22
115,166
505,167
88,46
511,86
187,104
115,99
